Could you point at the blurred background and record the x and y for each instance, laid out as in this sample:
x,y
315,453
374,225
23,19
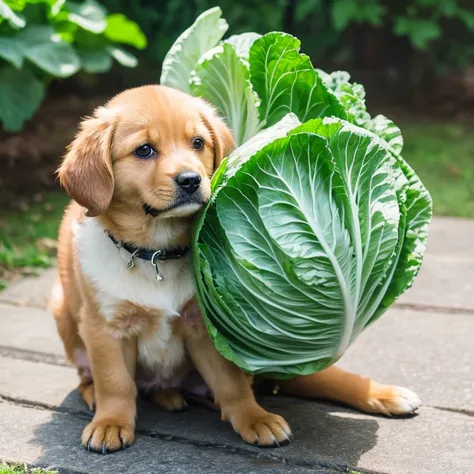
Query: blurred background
x,y
60,59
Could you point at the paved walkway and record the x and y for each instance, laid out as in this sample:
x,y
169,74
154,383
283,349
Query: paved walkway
x,y
426,342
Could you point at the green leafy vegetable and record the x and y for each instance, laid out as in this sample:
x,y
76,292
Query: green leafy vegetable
x,y
286,81
307,241
316,224
221,78
183,57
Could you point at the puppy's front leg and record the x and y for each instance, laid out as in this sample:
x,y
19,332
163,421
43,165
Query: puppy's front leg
x,y
233,393
113,363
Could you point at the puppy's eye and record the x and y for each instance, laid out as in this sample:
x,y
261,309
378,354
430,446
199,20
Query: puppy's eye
x,y
145,151
198,143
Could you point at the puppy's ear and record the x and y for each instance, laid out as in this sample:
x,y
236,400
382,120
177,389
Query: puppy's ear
x,y
86,172
221,136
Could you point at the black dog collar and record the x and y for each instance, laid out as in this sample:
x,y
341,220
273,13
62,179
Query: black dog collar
x,y
152,256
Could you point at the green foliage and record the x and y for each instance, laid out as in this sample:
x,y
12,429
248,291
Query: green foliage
x,y
428,24
18,469
21,93
335,32
421,21
441,153
41,40
27,237
346,12
121,30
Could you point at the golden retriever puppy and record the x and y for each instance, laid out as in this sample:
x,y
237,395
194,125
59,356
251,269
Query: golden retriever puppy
x,y
138,171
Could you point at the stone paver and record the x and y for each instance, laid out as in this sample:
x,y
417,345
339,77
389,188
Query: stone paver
x,y
451,236
29,329
49,439
446,278
443,282
424,343
325,435
323,432
36,382
428,352
389,351
31,291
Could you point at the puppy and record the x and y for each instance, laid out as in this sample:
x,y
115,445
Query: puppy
x,y
138,172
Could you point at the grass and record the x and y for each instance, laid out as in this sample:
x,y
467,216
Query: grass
x,y
22,469
442,154
28,234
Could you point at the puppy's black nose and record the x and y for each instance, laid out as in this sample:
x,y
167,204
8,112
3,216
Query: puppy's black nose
x,y
188,181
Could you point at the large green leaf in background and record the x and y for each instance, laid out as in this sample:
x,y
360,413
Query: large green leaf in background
x,y
89,15
182,58
122,30
95,61
43,47
14,19
121,56
12,51
20,94
61,38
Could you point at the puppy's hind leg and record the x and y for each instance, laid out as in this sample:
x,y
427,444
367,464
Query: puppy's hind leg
x,y
170,400
73,344
364,394
86,384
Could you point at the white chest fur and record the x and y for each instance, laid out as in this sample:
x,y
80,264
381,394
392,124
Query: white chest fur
x,y
105,267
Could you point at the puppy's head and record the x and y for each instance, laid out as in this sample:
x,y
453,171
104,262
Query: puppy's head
x,y
150,148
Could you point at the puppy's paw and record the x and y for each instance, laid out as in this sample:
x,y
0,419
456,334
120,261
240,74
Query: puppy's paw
x,y
170,400
261,428
107,436
392,400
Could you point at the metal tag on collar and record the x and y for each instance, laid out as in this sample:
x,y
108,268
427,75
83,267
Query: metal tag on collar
x,y
131,261
154,262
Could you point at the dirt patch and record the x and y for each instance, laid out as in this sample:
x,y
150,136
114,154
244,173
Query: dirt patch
x,y
29,158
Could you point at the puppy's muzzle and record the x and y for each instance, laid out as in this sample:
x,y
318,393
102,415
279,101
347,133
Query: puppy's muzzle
x,y
188,181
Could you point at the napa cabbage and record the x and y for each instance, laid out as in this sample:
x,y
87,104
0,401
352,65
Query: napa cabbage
x,y
316,223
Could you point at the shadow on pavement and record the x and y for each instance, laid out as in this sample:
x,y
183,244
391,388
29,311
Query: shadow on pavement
x,y
326,436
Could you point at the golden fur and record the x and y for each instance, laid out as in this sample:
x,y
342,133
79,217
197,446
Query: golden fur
x,y
109,338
